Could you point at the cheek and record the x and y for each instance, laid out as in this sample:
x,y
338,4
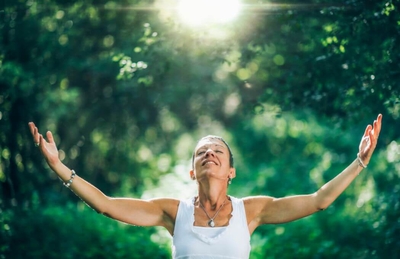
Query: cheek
x,y
197,161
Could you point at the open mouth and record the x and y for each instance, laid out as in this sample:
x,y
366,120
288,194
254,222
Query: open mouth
x,y
208,162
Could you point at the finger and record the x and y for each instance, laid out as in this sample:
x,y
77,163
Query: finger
x,y
31,127
378,125
367,130
41,141
34,132
377,128
49,136
372,137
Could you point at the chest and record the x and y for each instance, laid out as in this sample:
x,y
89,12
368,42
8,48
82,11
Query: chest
x,y
230,237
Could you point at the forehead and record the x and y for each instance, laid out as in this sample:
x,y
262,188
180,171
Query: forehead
x,y
210,142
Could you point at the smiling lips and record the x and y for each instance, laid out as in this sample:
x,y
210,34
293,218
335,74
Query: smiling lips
x,y
209,162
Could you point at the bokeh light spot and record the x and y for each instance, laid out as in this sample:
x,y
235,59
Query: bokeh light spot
x,y
203,12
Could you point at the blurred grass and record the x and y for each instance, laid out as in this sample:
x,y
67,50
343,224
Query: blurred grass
x,y
71,232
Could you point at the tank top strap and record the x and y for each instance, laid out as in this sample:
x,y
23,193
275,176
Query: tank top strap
x,y
232,241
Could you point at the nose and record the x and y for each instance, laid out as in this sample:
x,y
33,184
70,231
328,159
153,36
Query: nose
x,y
210,152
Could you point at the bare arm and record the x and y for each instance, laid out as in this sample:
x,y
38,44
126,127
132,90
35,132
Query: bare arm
x,y
156,212
264,210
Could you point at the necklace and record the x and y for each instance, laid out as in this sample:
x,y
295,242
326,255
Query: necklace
x,y
211,222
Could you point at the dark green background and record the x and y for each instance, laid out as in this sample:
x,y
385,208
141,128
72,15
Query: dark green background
x,y
128,92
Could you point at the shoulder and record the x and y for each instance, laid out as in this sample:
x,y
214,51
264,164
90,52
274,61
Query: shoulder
x,y
168,205
169,201
256,201
169,208
255,206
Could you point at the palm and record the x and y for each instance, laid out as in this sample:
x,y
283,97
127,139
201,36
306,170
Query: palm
x,y
49,150
369,140
47,147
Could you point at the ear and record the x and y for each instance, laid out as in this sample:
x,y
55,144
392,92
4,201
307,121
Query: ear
x,y
232,173
192,175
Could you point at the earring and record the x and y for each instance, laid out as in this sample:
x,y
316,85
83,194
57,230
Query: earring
x,y
229,180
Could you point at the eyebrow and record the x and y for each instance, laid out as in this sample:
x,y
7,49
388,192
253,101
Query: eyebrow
x,y
208,145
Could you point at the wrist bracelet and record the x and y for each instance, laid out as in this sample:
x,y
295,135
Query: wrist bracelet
x,y
69,182
360,162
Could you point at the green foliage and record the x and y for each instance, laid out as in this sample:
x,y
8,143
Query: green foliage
x,y
127,90
74,232
300,159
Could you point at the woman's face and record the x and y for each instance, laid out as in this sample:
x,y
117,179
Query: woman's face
x,y
211,159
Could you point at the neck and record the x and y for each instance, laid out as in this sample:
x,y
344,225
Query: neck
x,y
212,197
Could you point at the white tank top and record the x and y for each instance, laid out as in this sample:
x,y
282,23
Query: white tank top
x,y
191,242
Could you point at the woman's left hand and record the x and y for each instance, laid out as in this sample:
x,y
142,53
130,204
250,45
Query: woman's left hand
x,y
369,140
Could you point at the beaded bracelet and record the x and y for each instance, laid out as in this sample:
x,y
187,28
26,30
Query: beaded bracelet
x,y
360,162
69,182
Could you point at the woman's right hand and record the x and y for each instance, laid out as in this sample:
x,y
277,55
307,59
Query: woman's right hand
x,y
48,148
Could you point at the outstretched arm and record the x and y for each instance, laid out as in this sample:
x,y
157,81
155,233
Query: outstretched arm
x,y
156,212
264,210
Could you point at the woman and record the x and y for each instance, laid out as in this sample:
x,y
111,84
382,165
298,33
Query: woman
x,y
212,224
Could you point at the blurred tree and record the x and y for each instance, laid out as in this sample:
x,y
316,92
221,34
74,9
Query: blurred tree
x,y
128,88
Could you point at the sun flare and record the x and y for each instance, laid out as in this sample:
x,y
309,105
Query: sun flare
x,y
202,12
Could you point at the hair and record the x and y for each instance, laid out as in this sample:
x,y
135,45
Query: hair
x,y
221,139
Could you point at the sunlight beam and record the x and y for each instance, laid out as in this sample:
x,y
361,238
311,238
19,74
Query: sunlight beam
x,y
204,12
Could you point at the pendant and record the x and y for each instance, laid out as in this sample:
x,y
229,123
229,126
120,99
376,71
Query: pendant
x,y
211,223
